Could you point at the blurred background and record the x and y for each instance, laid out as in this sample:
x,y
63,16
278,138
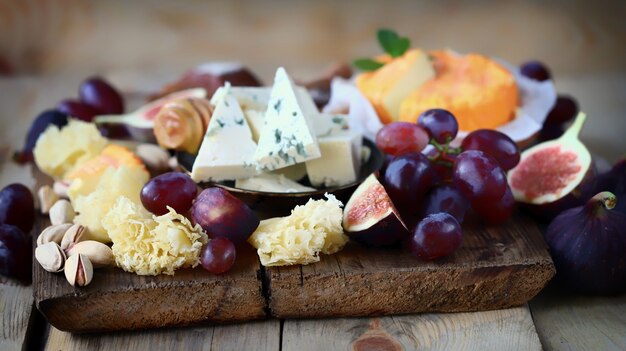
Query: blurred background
x,y
48,46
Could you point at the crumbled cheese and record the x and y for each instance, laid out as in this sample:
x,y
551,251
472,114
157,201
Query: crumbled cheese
x,y
93,197
58,151
151,245
300,237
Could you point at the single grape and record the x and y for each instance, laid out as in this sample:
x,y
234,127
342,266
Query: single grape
x,y
564,110
15,253
550,131
437,235
407,179
448,199
399,138
496,212
174,189
498,145
440,124
39,125
478,176
17,207
218,256
535,70
77,109
96,92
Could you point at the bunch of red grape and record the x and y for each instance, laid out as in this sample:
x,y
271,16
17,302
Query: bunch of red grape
x,y
433,191
17,214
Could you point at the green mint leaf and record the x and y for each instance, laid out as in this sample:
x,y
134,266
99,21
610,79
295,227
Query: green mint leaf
x,y
392,43
366,64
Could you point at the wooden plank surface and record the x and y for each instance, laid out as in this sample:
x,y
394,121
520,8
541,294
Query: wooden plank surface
x,y
116,300
16,306
572,322
249,336
508,329
495,267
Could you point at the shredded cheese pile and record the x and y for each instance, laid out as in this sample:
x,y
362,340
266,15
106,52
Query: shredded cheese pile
x,y
151,245
299,238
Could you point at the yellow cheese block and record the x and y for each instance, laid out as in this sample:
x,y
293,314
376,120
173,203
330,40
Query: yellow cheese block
x,y
386,87
479,92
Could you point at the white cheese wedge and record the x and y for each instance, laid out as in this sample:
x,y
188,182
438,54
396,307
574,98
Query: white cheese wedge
x,y
340,162
288,136
249,98
274,183
255,121
295,172
227,150
327,124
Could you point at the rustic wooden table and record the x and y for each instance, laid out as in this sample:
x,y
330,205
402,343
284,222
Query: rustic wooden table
x,y
581,41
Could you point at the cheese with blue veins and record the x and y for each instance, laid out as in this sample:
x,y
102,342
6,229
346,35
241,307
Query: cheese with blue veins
x,y
340,162
288,136
227,150
249,98
327,124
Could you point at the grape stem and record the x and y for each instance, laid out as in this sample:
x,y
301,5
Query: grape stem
x,y
443,152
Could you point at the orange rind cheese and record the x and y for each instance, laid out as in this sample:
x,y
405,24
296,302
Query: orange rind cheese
x,y
479,92
111,156
386,87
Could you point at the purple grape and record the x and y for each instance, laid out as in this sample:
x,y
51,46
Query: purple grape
x,y
498,145
174,189
448,199
15,253
436,236
407,179
17,207
478,176
77,109
496,212
96,92
535,70
564,110
39,125
218,256
440,124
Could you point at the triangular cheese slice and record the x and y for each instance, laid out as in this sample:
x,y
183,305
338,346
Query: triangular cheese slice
x,y
288,136
227,150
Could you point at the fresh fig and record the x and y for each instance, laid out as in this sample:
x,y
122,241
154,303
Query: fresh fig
x,y
587,245
139,125
554,175
371,218
614,181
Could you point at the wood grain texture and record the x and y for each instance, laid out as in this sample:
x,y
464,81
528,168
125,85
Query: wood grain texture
x,y
16,306
571,322
249,336
508,329
496,267
116,300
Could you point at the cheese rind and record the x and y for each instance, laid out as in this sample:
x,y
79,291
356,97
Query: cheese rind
x,y
273,183
227,151
288,135
340,162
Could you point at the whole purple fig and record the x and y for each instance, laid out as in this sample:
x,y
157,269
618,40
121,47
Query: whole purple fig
x,y
588,246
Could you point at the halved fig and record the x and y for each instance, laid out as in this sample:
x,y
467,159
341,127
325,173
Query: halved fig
x,y
371,218
139,125
555,175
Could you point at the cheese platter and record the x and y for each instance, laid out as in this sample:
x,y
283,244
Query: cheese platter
x,y
235,201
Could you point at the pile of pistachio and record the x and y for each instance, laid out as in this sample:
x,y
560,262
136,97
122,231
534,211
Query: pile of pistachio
x,y
62,247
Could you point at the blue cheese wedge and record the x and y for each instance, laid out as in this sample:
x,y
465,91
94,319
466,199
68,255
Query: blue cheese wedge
x,y
227,150
288,136
327,124
274,183
255,121
249,98
340,162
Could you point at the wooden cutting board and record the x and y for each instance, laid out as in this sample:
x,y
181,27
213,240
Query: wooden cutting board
x,y
496,267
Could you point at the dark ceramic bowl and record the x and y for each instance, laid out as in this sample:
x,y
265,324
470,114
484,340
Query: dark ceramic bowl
x,y
282,203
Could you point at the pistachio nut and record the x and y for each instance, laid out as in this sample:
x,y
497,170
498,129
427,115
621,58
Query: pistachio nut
x,y
74,234
50,257
78,270
99,254
53,233
61,212
47,197
60,188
